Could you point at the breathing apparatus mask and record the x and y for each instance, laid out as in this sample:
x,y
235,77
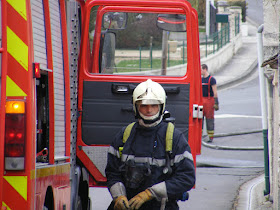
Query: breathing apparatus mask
x,y
135,174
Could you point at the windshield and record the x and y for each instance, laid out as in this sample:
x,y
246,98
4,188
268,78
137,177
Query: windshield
x,y
139,43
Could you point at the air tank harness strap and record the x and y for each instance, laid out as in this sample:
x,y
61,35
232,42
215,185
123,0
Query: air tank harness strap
x,y
126,134
168,137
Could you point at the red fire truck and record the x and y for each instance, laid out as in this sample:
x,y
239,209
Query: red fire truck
x,y
68,69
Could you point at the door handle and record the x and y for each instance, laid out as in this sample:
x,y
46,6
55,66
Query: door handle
x,y
122,88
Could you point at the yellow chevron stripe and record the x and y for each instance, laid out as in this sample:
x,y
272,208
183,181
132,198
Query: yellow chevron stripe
x,y
19,6
4,204
13,89
19,183
17,48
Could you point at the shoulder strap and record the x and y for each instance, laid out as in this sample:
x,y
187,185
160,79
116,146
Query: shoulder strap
x,y
168,148
209,80
127,132
209,86
169,137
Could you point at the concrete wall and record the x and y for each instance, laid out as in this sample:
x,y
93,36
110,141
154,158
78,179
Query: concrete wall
x,y
216,61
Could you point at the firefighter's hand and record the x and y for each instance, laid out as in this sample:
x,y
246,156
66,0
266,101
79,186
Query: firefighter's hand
x,y
137,201
216,105
121,203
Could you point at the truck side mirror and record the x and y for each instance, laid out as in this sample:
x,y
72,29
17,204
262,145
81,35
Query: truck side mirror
x,y
172,22
114,20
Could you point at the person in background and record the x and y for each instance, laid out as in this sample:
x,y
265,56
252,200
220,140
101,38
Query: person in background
x,y
210,100
142,175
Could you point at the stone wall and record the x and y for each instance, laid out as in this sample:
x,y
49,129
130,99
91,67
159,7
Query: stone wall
x,y
271,13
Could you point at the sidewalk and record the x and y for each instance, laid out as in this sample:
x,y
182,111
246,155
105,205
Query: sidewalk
x,y
241,66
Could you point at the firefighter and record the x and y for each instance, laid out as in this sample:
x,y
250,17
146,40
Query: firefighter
x,y
142,174
210,100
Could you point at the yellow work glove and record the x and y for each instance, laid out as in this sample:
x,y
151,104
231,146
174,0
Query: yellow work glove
x,y
121,203
137,201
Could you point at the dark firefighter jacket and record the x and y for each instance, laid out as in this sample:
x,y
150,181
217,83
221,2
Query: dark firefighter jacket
x,y
147,145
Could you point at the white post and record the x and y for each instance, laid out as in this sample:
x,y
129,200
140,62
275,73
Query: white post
x,y
208,16
261,78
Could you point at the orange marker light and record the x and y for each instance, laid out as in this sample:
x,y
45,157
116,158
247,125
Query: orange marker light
x,y
15,107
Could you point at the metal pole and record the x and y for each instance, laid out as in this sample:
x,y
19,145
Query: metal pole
x,y
151,51
207,24
228,32
164,52
214,41
140,58
168,58
206,45
264,109
208,21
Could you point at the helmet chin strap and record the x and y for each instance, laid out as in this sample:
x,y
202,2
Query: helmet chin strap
x,y
150,121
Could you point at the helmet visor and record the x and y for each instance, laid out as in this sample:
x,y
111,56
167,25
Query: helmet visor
x,y
149,101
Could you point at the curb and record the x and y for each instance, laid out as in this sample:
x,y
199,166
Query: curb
x,y
241,78
219,147
236,134
249,195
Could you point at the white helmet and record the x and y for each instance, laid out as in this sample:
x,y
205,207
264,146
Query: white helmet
x,y
149,92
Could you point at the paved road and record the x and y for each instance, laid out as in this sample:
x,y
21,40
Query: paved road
x,y
255,11
221,172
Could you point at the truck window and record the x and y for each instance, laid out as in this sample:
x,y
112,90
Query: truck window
x,y
140,46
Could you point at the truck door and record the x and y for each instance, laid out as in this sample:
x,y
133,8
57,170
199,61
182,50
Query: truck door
x,y
121,46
